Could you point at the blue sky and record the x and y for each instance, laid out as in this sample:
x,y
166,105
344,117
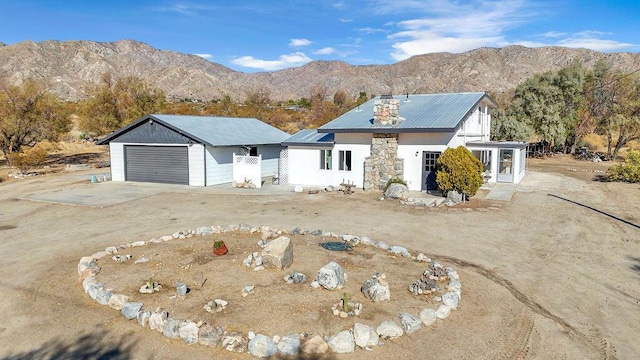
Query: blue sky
x,y
258,35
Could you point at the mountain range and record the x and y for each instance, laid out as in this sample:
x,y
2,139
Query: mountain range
x,y
72,66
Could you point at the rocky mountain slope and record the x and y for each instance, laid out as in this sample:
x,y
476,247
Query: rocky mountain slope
x,y
72,66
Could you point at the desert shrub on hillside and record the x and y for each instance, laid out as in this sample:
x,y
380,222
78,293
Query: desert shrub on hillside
x,y
628,171
458,170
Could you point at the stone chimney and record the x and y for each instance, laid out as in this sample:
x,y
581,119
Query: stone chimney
x,y
386,111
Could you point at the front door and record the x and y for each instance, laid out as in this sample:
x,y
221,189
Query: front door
x,y
505,167
429,160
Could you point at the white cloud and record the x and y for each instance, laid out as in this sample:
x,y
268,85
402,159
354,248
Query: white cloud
x,y
554,34
325,51
594,44
283,62
299,42
206,56
370,31
339,5
184,9
343,20
452,27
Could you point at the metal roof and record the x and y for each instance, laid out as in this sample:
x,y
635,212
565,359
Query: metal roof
x,y
215,131
310,137
420,112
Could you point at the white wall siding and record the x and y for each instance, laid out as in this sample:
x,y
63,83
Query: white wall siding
x,y
196,165
270,157
220,164
410,148
116,154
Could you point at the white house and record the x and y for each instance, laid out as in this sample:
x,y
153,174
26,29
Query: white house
x,y
401,137
192,150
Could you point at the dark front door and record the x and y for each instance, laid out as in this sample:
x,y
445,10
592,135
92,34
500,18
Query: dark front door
x,y
429,160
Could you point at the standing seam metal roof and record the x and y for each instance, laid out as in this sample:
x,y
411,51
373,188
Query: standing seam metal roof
x,y
422,111
310,137
216,131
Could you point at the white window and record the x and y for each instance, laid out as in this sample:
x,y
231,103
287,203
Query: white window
x,y
345,160
325,159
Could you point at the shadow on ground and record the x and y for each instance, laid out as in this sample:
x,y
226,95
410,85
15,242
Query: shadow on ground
x,y
90,346
635,266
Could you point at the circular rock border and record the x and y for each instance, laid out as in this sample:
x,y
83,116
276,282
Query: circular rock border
x,y
260,345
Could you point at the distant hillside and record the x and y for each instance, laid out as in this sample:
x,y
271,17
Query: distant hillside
x,y
71,66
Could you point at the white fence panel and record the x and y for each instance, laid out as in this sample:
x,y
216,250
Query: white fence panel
x,y
247,169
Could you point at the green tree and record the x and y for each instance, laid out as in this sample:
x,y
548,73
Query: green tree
x,y
458,170
112,105
29,114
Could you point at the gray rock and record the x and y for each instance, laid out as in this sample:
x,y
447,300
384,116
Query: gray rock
x,y
382,245
342,342
117,301
314,284
172,327
351,239
454,196
130,310
443,312
428,316
410,323
298,189
451,299
314,345
189,332
111,249
366,241
103,295
204,231
235,342
376,288
331,276
141,260
278,253
399,250
157,320
143,318
94,289
88,263
397,191
316,232
138,243
297,231
209,335
244,227
262,346
289,344
329,188
364,335
389,330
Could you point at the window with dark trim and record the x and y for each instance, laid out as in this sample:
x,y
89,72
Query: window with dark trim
x,y
325,159
345,160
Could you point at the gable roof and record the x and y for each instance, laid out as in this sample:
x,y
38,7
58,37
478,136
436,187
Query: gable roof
x,y
211,130
420,113
310,137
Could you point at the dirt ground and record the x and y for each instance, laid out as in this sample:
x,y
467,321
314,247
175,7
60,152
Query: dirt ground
x,y
543,278
291,307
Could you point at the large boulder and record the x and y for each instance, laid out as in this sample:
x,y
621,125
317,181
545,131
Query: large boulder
x,y
331,276
289,344
278,253
389,330
342,343
262,346
376,288
397,191
364,335
315,345
410,323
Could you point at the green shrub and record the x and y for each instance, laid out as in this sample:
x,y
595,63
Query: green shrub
x,y
628,171
458,170
394,181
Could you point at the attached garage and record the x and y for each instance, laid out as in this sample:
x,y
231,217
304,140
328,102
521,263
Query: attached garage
x,y
190,150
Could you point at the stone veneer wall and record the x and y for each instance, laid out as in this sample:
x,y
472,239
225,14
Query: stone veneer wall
x,y
383,164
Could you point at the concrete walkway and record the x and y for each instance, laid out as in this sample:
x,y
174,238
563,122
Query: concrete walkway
x,y
502,192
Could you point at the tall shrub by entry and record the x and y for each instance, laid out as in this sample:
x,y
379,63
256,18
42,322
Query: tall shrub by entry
x,y
458,170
